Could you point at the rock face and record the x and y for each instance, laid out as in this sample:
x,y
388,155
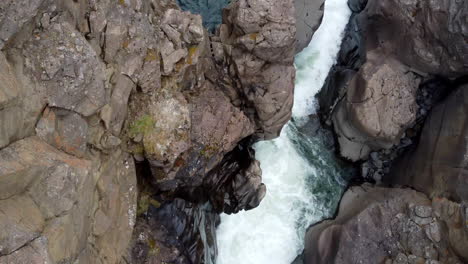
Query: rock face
x,y
439,163
309,15
61,200
381,225
384,47
88,87
398,59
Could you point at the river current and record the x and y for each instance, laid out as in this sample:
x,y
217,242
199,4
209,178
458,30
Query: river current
x,y
304,181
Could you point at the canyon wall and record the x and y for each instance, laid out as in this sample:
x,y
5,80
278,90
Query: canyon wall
x,y
104,103
397,103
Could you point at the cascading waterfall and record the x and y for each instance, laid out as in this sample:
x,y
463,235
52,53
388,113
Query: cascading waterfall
x,y
304,182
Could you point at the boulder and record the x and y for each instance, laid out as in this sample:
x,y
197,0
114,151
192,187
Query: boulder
x,y
421,40
379,106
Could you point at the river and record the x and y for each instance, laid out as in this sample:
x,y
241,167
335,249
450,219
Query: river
x,y
304,181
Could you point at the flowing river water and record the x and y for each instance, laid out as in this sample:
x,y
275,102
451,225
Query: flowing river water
x,y
304,181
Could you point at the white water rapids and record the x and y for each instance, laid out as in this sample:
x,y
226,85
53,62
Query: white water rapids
x,y
303,182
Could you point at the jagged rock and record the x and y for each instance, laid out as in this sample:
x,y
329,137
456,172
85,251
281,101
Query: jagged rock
x,y
70,76
373,226
19,226
439,165
309,15
115,218
216,123
19,105
63,129
115,113
262,35
13,15
236,183
56,193
51,180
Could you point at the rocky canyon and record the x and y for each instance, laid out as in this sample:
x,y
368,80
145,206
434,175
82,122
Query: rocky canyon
x,y
129,129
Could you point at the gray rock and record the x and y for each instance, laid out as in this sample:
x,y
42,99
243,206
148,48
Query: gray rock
x,y
263,50
20,106
374,225
433,232
71,75
439,165
309,15
423,211
379,106
13,15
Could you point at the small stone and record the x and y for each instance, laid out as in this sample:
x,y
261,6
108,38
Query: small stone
x,y
423,211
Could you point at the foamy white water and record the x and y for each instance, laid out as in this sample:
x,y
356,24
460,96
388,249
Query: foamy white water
x,y
302,184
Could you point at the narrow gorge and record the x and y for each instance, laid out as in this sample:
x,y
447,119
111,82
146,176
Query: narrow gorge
x,y
233,131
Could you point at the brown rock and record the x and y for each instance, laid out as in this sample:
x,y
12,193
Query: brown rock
x,y
63,129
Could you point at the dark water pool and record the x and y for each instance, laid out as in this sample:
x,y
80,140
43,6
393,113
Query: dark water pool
x,y
210,10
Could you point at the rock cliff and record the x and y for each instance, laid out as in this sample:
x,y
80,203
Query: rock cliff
x,y
396,101
106,102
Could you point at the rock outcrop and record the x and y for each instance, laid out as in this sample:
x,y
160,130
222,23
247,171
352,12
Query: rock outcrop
x,y
89,87
309,16
438,165
397,102
383,225
390,44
